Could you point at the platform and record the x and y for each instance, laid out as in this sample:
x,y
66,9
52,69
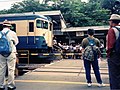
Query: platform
x,y
61,75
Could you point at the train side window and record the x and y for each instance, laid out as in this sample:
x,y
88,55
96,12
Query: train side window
x,y
1,27
39,24
45,25
13,27
31,27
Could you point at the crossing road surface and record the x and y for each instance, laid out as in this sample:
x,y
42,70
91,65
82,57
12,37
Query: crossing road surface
x,y
61,75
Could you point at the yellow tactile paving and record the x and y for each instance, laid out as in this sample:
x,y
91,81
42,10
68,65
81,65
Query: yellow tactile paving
x,y
57,82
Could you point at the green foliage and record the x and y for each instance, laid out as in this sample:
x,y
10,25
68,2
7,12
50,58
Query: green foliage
x,y
112,5
75,12
28,6
3,11
84,14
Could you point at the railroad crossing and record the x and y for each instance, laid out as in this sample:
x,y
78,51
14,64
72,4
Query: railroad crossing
x,y
66,74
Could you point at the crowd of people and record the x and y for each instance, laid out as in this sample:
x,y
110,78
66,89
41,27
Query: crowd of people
x,y
70,48
75,48
113,56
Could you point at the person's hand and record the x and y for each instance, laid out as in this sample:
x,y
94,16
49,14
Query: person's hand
x,y
100,59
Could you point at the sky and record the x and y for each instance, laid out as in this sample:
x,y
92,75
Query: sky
x,y
6,4
84,0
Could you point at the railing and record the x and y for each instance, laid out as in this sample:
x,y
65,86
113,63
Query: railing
x,y
26,54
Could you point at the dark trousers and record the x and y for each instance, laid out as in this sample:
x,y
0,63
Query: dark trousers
x,y
114,71
94,64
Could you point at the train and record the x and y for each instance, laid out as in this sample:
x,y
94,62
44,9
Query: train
x,y
35,32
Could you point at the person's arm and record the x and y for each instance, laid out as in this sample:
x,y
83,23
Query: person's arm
x,y
14,38
110,41
98,47
83,43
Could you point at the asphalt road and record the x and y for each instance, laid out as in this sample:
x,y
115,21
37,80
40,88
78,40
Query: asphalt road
x,y
61,75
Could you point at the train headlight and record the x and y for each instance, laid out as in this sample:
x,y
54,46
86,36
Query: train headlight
x,y
36,38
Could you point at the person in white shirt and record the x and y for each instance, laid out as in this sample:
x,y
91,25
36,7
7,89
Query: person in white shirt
x,y
8,61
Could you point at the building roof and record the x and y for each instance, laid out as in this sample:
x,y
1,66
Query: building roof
x,y
56,16
13,17
72,29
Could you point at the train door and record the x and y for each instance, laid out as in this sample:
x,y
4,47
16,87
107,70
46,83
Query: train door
x,y
1,27
42,29
50,28
46,32
31,33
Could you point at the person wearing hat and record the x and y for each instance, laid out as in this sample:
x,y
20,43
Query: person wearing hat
x,y
112,57
10,60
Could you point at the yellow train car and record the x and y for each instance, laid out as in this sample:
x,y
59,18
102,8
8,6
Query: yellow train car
x,y
35,32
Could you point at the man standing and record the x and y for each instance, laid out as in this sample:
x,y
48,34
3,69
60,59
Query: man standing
x,y
113,57
93,63
10,60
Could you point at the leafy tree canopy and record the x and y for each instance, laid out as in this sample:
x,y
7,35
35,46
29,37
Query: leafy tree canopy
x,y
75,12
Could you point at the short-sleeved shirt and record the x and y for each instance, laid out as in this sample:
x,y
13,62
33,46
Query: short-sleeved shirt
x,y
13,37
111,39
85,42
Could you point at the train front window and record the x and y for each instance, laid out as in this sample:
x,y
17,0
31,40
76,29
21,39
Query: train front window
x,y
39,24
45,25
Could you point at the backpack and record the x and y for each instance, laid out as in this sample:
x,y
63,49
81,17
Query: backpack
x,y
91,50
117,43
5,47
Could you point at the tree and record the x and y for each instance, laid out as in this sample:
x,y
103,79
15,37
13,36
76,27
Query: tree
x,y
112,5
28,6
84,14
116,7
75,12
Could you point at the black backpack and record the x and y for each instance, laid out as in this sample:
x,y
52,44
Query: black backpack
x,y
117,43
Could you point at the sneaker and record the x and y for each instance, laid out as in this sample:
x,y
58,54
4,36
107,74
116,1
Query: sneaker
x,y
101,85
2,88
89,84
11,88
